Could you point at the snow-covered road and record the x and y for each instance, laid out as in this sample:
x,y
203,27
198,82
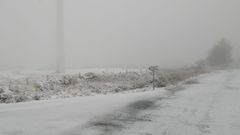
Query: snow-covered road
x,y
210,107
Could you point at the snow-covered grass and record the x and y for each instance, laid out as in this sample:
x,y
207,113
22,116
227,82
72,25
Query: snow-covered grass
x,y
40,85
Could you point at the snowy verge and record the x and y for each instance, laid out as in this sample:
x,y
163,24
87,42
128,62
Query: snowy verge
x,y
40,86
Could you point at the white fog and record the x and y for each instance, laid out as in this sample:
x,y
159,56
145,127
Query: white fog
x,y
119,67
106,33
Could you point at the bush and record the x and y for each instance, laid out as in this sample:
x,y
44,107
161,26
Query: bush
x,y
175,88
36,97
72,85
1,90
21,98
191,81
90,76
69,80
6,98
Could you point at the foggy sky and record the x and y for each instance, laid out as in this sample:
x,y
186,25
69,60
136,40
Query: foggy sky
x,y
115,33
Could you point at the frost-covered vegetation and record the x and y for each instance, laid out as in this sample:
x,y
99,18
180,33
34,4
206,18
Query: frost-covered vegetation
x,y
74,85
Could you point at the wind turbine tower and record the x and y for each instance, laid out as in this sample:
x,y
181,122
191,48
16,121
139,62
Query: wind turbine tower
x,y
60,57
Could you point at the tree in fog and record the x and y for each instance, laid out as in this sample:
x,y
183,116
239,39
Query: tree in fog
x,y
220,54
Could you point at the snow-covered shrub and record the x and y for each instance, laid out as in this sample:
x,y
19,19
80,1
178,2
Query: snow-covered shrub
x,y
191,81
142,82
6,98
90,76
175,88
70,80
72,85
123,88
162,80
36,97
38,86
1,90
21,98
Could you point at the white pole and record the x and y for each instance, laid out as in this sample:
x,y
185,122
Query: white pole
x,y
60,67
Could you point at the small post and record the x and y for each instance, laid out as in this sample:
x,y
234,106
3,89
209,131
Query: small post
x,y
27,81
10,84
153,80
153,69
79,75
47,77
